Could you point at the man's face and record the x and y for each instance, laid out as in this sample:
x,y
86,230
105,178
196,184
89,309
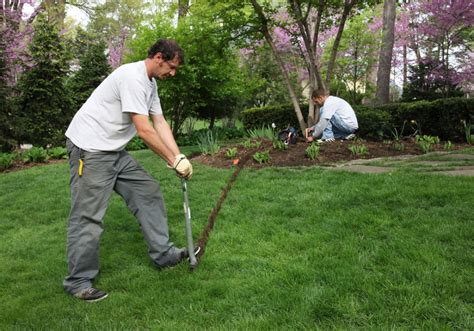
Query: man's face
x,y
319,101
163,68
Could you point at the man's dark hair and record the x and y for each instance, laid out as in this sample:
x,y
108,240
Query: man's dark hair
x,y
320,92
168,48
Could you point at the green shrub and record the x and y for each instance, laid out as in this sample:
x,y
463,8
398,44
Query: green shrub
x,y
358,149
313,151
282,116
208,143
6,160
374,123
262,157
35,154
231,152
58,153
443,118
135,144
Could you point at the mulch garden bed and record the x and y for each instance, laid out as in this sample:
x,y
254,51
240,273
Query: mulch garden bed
x,y
330,153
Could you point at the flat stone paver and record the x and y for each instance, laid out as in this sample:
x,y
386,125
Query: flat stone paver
x,y
463,171
362,165
461,157
365,169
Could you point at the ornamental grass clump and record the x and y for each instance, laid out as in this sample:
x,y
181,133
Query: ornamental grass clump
x,y
358,149
208,143
264,132
313,151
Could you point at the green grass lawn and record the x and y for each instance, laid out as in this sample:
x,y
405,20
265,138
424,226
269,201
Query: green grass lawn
x,y
291,249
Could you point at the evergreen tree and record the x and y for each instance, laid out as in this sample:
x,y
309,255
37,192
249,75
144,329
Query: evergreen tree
x,y
422,85
94,68
43,107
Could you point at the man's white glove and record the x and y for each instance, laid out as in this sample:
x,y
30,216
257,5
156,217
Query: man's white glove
x,y
183,167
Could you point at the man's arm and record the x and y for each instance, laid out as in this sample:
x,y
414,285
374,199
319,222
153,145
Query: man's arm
x,y
157,137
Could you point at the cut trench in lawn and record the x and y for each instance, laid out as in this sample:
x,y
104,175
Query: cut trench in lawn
x,y
204,237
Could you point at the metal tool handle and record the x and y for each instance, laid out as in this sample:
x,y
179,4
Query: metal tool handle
x,y
189,232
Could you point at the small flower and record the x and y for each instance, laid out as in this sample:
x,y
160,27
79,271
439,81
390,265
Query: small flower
x,y
273,125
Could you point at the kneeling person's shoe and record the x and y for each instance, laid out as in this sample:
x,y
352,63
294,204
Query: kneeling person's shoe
x,y
91,294
350,137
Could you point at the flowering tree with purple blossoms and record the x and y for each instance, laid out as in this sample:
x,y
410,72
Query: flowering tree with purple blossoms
x,y
16,30
439,39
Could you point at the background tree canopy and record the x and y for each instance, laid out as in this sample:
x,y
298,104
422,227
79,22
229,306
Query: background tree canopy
x,y
238,55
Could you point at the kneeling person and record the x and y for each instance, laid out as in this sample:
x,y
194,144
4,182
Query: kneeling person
x,y
337,119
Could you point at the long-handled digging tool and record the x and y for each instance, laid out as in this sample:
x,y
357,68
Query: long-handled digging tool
x,y
189,233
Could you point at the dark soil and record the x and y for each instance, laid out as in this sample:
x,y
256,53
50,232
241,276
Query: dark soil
x,y
330,153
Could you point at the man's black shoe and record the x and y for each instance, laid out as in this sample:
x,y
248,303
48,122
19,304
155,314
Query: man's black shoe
x,y
91,294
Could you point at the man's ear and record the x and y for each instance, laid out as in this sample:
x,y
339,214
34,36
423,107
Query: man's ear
x,y
158,56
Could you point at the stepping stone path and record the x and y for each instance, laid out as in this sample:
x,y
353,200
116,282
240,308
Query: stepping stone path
x,y
444,163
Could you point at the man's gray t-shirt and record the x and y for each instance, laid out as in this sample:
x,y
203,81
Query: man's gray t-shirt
x,y
104,123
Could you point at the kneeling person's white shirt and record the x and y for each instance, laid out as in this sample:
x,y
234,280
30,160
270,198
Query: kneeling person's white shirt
x,y
104,123
343,109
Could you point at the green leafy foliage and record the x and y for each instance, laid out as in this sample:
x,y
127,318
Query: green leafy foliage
x,y
210,85
262,157
249,143
35,154
135,144
313,151
231,152
57,153
6,160
43,108
279,145
426,142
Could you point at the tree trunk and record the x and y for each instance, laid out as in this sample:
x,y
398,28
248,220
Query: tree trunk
x,y
264,29
56,12
183,8
348,5
386,51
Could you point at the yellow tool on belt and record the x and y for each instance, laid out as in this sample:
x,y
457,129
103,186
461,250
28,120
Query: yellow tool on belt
x,y
81,165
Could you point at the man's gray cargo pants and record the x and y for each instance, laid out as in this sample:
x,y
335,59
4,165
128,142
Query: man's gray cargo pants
x,y
91,188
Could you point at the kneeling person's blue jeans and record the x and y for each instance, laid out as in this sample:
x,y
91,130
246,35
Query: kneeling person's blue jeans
x,y
336,129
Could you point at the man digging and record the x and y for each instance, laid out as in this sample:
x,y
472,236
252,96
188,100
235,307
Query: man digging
x,y
120,107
